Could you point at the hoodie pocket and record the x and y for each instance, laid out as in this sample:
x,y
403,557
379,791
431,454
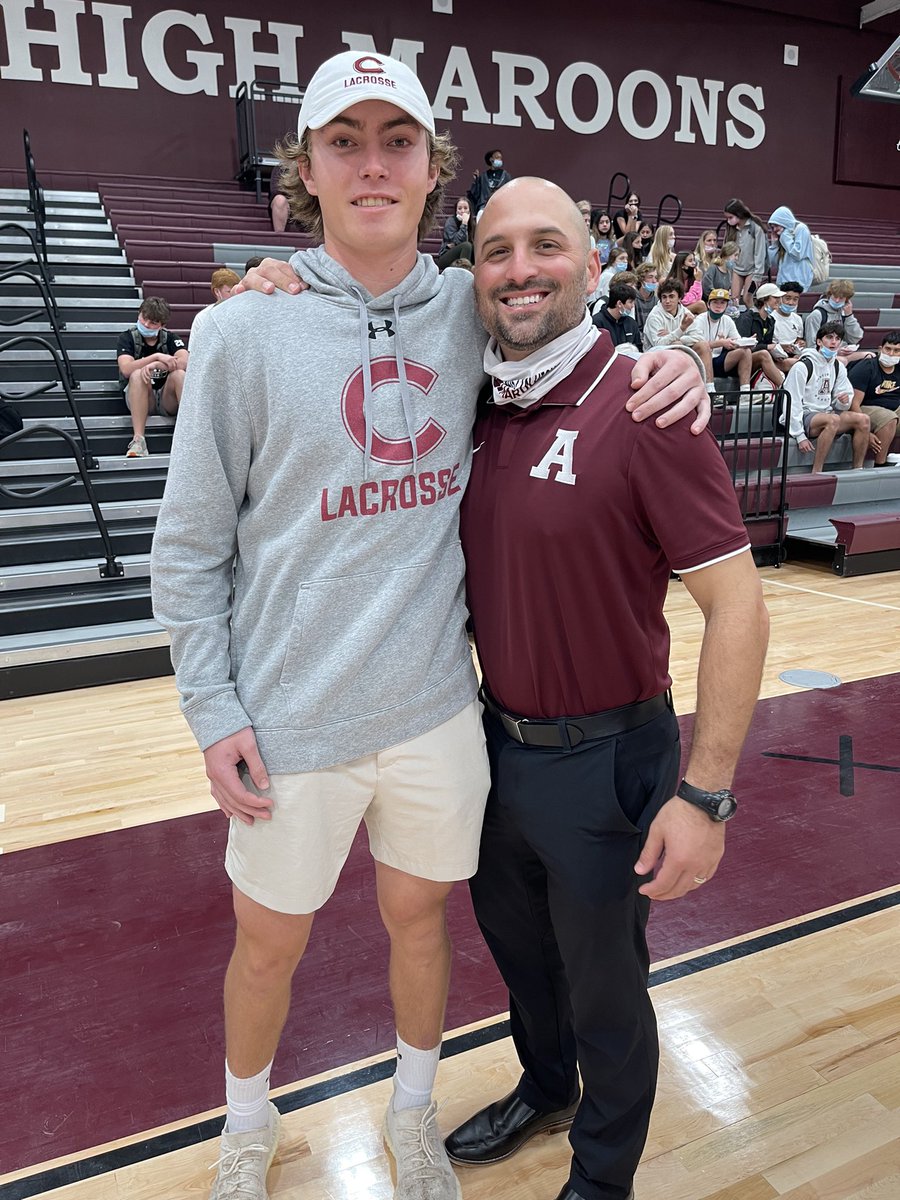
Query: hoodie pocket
x,y
366,643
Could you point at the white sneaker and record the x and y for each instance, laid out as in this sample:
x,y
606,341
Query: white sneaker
x,y
244,1162
137,448
423,1169
893,459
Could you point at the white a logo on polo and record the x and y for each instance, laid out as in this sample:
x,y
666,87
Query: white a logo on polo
x,y
559,455
385,449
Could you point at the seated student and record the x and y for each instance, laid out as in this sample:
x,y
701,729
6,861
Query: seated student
x,y
152,362
790,249
788,340
604,235
706,249
618,262
836,306
647,285
671,324
876,392
730,361
761,324
685,271
616,316
645,233
662,252
718,274
821,395
221,285
458,234
635,249
629,218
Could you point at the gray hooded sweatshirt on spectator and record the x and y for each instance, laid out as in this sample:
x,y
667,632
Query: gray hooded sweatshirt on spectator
x,y
306,561
752,256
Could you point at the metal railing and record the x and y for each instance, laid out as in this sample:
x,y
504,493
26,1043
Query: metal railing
x,y
111,568
36,204
752,432
40,388
261,120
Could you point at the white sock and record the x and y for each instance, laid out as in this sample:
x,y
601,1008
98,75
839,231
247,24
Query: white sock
x,y
414,1080
247,1101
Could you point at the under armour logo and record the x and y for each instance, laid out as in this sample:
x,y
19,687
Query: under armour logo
x,y
387,327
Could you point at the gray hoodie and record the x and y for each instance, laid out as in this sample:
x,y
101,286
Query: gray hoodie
x,y
322,448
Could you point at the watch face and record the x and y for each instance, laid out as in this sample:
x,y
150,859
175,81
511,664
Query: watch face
x,y
726,808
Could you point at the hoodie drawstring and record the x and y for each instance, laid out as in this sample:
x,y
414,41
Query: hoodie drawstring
x,y
368,394
405,397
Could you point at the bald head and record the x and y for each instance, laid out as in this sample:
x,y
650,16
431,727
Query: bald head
x,y
541,200
534,266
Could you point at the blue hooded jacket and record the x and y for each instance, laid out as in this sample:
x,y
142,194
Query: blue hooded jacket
x,y
796,265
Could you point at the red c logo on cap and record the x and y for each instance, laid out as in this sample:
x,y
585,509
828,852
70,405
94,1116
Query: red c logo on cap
x,y
376,69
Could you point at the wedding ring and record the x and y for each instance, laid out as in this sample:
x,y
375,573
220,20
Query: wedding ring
x,y
698,879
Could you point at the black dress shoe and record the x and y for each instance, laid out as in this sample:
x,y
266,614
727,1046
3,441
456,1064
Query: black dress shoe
x,y
568,1194
499,1130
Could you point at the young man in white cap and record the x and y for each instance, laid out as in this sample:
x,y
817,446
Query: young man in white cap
x,y
316,611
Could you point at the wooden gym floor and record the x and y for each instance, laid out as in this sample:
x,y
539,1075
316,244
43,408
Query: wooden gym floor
x,y
780,1045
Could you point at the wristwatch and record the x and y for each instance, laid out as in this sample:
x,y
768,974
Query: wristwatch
x,y
718,806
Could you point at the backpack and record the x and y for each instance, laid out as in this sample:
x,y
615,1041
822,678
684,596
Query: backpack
x,y
821,259
10,419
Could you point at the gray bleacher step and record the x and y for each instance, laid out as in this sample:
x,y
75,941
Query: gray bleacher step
x,y
122,421
86,388
65,466
64,303
56,245
50,517
66,574
56,645
814,524
52,196
110,327
57,260
101,282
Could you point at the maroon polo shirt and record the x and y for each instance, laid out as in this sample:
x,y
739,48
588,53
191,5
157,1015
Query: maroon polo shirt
x,y
573,517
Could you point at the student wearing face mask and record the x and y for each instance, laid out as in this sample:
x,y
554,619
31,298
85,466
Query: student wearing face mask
x,y
151,361
788,340
647,288
484,185
718,274
760,324
706,249
790,249
618,263
876,392
836,306
617,317
821,395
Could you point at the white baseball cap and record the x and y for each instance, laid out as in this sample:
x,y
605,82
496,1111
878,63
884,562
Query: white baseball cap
x,y
350,77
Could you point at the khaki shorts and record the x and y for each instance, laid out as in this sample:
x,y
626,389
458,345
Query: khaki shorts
x,y
422,802
878,417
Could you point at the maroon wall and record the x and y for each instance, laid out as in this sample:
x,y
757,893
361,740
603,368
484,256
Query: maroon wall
x,y
122,115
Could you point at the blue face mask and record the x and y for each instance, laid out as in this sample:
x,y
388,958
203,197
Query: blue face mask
x,y
837,305
729,263
827,354
650,287
621,267
787,309
496,163
144,331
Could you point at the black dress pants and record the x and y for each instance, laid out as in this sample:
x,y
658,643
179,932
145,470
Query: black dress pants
x,y
557,901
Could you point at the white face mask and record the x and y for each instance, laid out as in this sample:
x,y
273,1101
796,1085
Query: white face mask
x,y
888,360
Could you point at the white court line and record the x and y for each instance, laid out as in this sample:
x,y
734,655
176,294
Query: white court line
x,y
831,596
2,813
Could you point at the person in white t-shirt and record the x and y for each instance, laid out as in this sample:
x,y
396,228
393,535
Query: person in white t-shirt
x,y
729,359
788,340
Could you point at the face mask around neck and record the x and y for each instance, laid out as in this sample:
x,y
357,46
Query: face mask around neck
x,y
827,353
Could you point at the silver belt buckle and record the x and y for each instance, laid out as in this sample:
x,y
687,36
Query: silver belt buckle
x,y
518,722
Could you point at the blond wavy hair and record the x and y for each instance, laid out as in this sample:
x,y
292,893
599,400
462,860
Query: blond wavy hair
x,y
305,208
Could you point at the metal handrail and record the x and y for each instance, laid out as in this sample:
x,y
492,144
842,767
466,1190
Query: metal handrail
x,y
36,202
659,211
615,195
33,339
112,568
250,160
51,308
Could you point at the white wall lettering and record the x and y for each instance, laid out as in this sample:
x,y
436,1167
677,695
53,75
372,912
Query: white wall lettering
x,y
247,58
207,62
117,74
406,52
704,107
659,124
459,67
64,36
747,116
565,86
513,90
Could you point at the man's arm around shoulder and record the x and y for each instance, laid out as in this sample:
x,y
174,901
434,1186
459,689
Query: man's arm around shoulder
x,y
691,844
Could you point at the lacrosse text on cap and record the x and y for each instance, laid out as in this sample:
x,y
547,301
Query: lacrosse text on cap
x,y
348,78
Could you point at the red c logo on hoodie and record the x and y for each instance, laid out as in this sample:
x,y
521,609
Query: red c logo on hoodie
x,y
385,449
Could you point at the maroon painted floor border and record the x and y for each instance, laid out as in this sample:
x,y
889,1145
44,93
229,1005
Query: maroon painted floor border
x,y
113,947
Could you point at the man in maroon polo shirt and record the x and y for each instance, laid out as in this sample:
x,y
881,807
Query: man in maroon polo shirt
x,y
573,518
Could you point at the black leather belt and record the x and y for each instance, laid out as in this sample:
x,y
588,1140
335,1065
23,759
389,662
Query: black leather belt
x,y
572,731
